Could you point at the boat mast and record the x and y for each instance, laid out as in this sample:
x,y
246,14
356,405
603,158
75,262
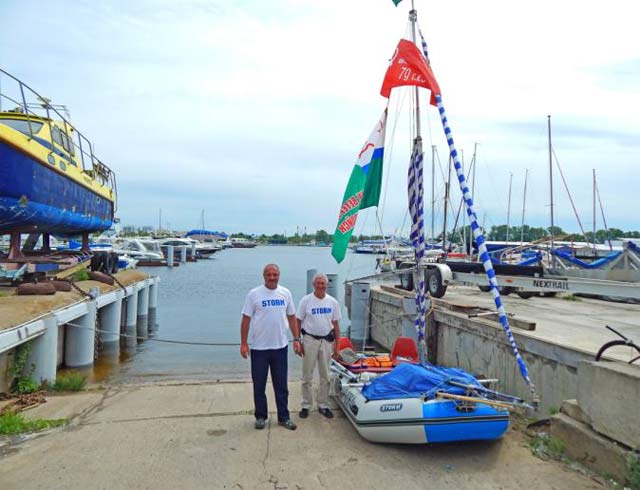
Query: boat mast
x,y
509,206
550,186
524,200
413,17
594,212
464,218
433,191
446,200
473,191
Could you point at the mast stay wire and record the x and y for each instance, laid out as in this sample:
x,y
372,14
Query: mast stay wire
x,y
604,220
388,157
566,187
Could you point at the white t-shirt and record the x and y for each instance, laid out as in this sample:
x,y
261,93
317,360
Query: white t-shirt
x,y
317,314
268,309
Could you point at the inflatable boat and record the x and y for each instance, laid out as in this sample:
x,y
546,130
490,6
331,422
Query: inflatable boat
x,y
420,403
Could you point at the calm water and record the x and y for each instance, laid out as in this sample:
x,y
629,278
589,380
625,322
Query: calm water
x,y
202,302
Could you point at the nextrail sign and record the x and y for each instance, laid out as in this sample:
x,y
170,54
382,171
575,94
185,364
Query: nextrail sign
x,y
551,284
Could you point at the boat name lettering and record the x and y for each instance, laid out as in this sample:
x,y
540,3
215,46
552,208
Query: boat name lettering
x,y
391,407
551,284
320,311
349,204
272,302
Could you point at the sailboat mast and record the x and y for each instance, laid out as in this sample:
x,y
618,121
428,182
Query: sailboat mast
x,y
473,191
446,200
524,201
509,206
550,184
413,17
433,192
594,212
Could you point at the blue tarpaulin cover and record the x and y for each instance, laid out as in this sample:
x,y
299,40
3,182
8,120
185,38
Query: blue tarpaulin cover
x,y
417,380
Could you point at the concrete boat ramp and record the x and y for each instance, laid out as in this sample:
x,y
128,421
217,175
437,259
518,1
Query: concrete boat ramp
x,y
201,435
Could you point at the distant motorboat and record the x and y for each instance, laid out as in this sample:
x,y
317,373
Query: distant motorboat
x,y
238,242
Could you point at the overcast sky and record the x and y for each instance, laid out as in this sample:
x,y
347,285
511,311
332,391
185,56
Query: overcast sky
x,y
254,111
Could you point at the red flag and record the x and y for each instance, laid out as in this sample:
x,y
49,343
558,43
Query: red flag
x,y
408,67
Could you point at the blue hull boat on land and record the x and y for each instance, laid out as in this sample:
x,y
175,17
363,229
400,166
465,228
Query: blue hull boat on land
x,y
50,178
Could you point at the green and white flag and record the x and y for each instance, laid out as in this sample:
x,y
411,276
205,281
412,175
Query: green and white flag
x,y
363,189
396,2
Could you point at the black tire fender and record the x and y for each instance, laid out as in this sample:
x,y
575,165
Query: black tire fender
x,y
114,263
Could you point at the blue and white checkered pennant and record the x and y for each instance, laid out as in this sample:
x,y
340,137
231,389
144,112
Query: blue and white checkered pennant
x,y
477,233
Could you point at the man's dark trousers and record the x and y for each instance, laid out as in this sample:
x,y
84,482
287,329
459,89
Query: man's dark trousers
x,y
261,362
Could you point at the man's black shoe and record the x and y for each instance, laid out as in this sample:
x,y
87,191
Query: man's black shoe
x,y
304,413
260,423
326,412
288,424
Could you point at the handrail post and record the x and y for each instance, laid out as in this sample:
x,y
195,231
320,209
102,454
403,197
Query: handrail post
x,y
81,152
26,109
46,108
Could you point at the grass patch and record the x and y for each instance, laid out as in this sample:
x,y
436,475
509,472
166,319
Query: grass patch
x,y
70,382
81,275
544,446
554,410
633,471
22,382
13,423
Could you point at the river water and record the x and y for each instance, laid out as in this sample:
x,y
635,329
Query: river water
x,y
202,301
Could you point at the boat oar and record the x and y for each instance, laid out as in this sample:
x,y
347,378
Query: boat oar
x,y
462,398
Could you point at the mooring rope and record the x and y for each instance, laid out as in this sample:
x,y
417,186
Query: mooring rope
x,y
155,339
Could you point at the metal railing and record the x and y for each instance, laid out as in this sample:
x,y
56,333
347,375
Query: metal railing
x,y
91,164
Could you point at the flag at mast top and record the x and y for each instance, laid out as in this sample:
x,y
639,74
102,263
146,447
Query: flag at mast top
x,y
396,2
409,67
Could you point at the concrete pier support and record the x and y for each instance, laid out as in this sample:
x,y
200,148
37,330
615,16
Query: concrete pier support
x,y
44,353
193,250
170,258
183,254
359,311
143,311
310,274
332,288
153,306
130,328
79,342
109,317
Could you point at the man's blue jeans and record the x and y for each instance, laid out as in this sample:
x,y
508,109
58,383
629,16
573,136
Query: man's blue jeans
x,y
263,361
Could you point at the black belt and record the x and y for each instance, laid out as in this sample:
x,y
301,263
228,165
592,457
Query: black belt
x,y
330,337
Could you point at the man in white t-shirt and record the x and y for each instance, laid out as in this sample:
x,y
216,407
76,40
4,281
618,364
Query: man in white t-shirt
x,y
318,315
267,312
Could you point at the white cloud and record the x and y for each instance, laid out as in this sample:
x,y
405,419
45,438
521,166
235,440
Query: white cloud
x,y
245,105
